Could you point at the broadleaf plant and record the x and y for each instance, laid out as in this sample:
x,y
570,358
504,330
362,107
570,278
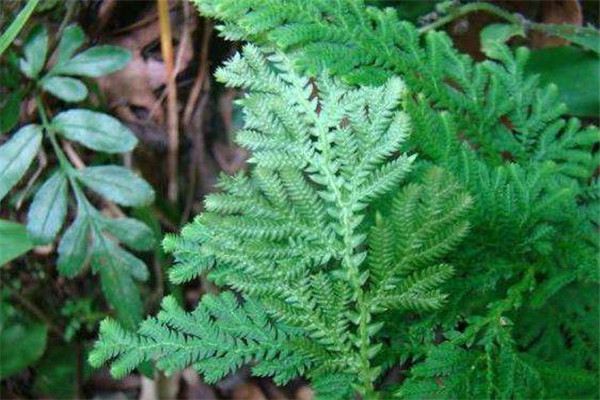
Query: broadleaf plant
x,y
91,237
471,269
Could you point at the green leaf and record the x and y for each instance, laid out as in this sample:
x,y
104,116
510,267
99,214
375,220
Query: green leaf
x,y
585,37
67,89
117,282
16,155
48,209
72,39
9,35
95,130
126,261
22,342
73,247
35,50
118,184
9,110
94,62
495,34
56,373
14,241
574,71
131,232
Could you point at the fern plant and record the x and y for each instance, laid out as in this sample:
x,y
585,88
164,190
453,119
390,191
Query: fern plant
x,y
92,237
532,174
291,238
504,190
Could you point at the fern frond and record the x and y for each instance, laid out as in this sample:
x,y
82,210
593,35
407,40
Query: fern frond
x,y
289,235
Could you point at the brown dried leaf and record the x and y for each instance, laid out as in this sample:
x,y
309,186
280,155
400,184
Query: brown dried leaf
x,y
248,391
557,12
305,393
132,89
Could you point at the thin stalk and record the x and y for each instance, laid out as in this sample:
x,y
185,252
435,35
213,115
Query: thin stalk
x,y
15,27
366,371
166,45
469,8
64,163
66,166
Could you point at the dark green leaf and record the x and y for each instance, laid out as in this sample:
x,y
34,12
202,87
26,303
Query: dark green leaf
x,y
22,342
35,50
132,232
9,110
72,39
125,260
48,209
586,37
16,155
118,184
67,89
117,282
72,250
94,62
95,130
56,373
574,71
13,241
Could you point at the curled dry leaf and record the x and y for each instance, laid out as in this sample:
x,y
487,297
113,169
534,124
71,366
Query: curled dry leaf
x,y
557,12
132,90
305,393
195,388
248,391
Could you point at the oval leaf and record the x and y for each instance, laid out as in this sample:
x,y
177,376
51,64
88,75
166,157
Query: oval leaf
x,y
72,39
16,156
131,232
118,184
72,250
14,241
35,49
95,130
67,89
48,209
95,62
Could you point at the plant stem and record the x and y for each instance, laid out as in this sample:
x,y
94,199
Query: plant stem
x,y
469,8
64,163
166,45
365,371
